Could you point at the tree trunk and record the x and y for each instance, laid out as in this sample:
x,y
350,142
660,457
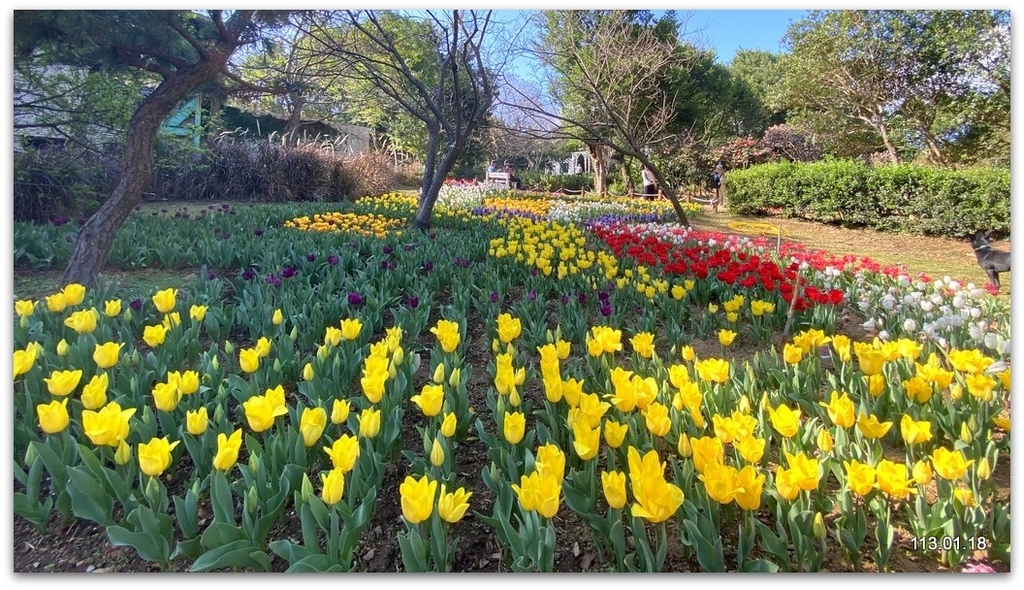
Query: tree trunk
x,y
93,245
291,128
887,142
599,168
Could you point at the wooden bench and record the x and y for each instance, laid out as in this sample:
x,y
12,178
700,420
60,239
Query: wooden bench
x,y
498,178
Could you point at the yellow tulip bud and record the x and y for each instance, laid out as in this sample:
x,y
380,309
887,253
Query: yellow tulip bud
x,y
62,347
439,374
437,454
819,526
278,317
922,473
339,411
984,470
825,442
448,425
455,379
744,405
965,433
307,372
685,450
956,391
123,454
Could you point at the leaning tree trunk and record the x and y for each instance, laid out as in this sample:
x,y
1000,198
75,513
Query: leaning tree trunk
x,y
93,245
600,169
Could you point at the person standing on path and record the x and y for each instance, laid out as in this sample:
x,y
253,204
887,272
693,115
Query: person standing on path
x,y
650,183
716,185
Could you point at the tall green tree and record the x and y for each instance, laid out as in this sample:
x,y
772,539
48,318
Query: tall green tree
x,y
183,49
610,84
430,65
907,78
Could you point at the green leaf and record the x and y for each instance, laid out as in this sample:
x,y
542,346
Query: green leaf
x,y
239,554
761,566
221,533
88,498
150,545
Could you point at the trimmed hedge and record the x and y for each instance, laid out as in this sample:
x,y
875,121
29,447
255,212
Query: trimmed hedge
x,y
896,198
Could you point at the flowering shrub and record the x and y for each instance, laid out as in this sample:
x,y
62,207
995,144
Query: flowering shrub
x,y
593,364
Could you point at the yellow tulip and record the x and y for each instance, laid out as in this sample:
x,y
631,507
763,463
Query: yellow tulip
x,y
155,456
112,308
82,322
892,479
713,370
165,300
53,417
825,441
340,410
586,441
613,483
333,486
980,386
720,482
785,484
332,336
248,359
869,359
949,465
24,360
448,425
369,422
350,328
447,333
260,412
154,335
688,353
965,497
804,471
263,346
166,396
514,427
123,454
452,507
840,409
539,494
792,353
509,328
227,450
63,347
24,307
656,499
707,450
870,427
550,462
74,293
197,421
94,394
430,399
106,355
56,302
63,382
643,344
750,483
725,337
876,384
751,448
344,452
615,433
417,498
860,478
312,424
107,427
841,344
197,312
785,420
915,432
657,419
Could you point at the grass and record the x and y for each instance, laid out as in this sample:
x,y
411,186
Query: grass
x,y
36,284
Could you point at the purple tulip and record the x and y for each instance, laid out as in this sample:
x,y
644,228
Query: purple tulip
x,y
532,295
289,272
583,298
210,276
494,297
135,304
387,249
355,298
333,260
414,301
248,274
602,295
409,247
565,300
428,266
258,232
606,310
311,257
226,235
533,272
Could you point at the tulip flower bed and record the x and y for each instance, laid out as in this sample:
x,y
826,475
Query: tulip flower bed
x,y
537,384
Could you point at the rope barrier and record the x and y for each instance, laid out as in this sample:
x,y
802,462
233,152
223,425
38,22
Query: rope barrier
x,y
764,229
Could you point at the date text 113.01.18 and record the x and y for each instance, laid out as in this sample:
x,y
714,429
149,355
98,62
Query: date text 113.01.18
x,y
945,543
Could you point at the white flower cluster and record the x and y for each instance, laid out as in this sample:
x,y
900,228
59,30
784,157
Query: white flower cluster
x,y
455,196
943,311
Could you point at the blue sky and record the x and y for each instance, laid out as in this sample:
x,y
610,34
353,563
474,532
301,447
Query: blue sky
x,y
727,31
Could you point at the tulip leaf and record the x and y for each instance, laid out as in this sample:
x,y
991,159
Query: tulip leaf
x,y
149,542
236,554
189,549
88,498
316,563
761,566
38,513
221,499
